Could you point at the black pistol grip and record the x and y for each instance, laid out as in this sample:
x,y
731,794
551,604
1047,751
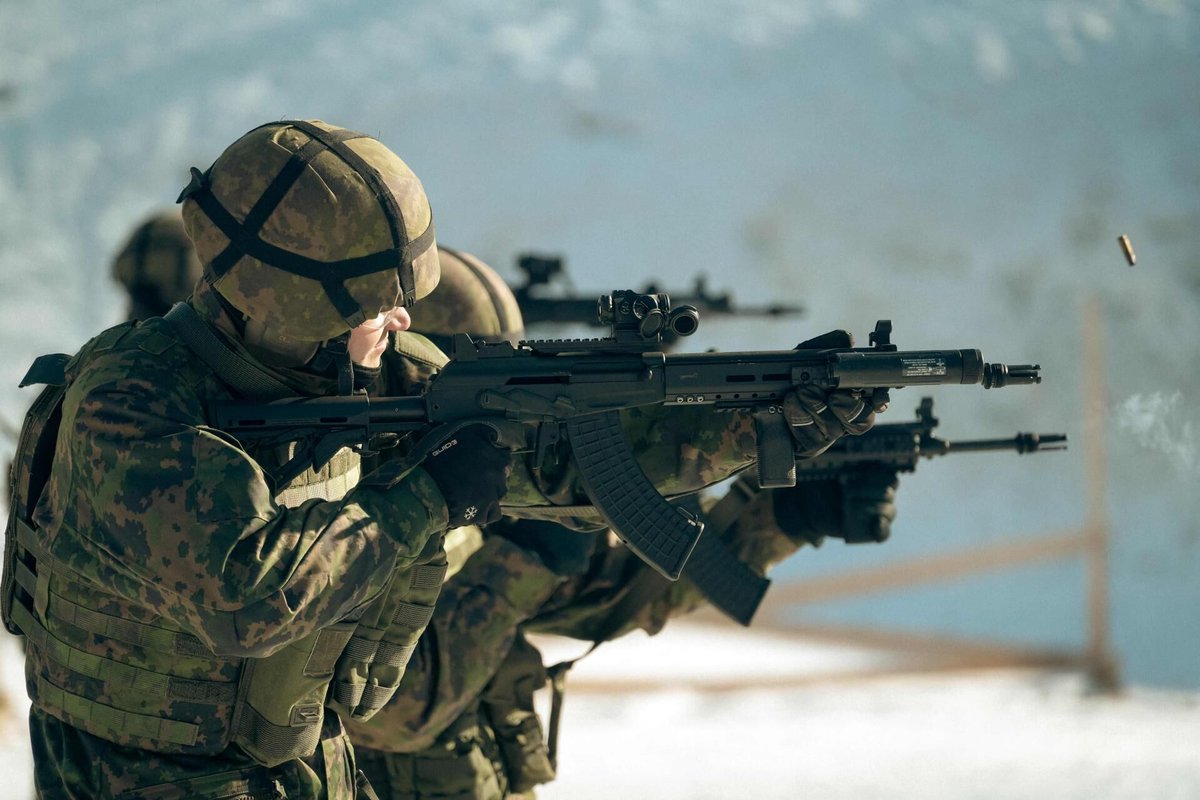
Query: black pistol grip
x,y
659,533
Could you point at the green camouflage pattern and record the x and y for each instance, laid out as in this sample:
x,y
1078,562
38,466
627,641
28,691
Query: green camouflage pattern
x,y
506,706
680,448
472,629
495,750
464,764
71,765
468,758
329,214
150,502
203,548
470,298
370,668
157,265
151,516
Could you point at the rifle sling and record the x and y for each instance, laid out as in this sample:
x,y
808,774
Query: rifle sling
x,y
643,588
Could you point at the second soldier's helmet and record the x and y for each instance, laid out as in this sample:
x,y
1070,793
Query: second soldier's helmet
x,y
157,265
311,228
471,298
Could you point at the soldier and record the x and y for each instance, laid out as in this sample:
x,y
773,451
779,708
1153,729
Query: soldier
x,y
157,266
462,724
185,615
192,607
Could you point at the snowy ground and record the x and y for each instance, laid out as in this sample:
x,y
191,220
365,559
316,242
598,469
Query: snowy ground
x,y
997,734
1005,734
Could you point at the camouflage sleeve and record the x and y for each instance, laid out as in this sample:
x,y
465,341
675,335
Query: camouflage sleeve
x,y
504,588
470,635
680,449
175,515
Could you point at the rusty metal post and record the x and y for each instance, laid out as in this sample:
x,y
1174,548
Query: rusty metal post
x,y
1103,671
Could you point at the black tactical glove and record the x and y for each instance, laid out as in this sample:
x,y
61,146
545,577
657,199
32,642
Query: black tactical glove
x,y
472,473
819,417
562,550
868,503
857,506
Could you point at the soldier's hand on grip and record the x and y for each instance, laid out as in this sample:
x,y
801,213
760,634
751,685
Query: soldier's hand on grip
x,y
868,503
472,473
819,417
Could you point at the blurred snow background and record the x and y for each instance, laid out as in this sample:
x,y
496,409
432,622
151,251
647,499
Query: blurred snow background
x,y
963,168
990,735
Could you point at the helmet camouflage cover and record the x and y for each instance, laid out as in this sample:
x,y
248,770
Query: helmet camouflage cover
x,y
471,298
311,227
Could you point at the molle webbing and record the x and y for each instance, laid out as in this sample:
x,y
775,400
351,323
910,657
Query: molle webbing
x,y
271,707
283,697
30,467
374,661
332,483
140,700
244,237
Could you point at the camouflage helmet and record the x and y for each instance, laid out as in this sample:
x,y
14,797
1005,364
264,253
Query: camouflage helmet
x,y
157,265
311,228
471,298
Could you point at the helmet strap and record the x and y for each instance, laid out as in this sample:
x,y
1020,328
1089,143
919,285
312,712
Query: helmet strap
x,y
334,357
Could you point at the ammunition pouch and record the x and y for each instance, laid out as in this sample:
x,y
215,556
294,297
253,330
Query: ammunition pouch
x,y
507,704
369,670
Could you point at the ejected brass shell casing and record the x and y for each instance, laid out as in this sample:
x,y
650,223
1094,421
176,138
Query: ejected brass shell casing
x,y
1127,249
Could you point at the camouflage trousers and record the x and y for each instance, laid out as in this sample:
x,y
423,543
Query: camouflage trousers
x,y
464,765
72,765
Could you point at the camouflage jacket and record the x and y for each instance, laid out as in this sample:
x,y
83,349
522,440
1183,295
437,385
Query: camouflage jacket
x,y
164,525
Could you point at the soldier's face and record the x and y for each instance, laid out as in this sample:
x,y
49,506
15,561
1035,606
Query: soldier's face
x,y
369,340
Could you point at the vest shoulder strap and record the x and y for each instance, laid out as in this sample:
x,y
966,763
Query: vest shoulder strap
x,y
420,349
246,378
30,469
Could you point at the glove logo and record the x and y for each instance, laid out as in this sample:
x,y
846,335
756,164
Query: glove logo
x,y
470,513
443,448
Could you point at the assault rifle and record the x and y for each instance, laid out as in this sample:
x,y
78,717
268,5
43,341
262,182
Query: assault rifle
x,y
737,590
530,394
901,446
543,270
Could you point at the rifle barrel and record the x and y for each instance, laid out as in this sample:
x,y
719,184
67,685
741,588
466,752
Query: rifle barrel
x,y
1022,443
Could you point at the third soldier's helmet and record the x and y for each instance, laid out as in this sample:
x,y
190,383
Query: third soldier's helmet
x,y
157,265
311,228
471,298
